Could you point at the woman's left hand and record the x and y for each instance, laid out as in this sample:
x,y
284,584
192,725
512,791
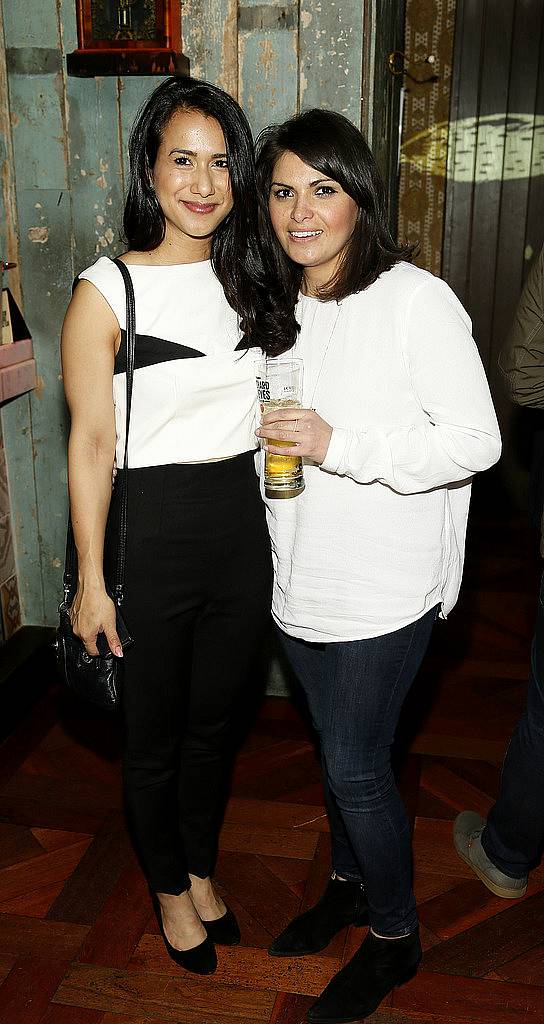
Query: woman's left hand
x,y
308,433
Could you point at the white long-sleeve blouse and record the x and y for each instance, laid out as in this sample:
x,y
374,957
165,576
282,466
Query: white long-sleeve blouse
x,y
377,538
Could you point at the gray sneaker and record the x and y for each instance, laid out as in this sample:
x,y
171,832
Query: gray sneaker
x,y
467,836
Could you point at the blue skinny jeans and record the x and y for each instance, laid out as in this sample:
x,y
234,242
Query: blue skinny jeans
x,y
355,692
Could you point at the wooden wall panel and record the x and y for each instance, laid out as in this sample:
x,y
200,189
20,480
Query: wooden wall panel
x,y
380,100
133,92
94,168
27,23
430,28
535,201
9,241
331,55
45,254
46,274
9,250
267,62
464,105
38,131
17,436
493,99
67,26
495,190
210,40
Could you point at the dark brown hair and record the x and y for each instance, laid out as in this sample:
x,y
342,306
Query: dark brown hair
x,y
336,148
266,318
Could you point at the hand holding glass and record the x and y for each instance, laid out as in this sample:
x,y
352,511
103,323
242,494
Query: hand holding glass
x,y
279,386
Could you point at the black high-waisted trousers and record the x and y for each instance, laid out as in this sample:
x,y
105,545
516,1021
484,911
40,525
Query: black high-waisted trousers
x,y
197,600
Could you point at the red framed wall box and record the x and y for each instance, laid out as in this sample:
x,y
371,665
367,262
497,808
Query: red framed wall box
x,y
17,365
128,37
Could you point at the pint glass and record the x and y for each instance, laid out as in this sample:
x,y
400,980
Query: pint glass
x,y
279,386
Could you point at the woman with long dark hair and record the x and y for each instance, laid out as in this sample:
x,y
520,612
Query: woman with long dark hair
x,y
198,574
397,420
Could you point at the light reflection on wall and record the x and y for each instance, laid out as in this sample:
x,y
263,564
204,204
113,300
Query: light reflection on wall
x,y
494,148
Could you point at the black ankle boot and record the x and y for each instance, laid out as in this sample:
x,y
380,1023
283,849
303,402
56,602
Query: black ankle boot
x,y
201,959
379,966
341,904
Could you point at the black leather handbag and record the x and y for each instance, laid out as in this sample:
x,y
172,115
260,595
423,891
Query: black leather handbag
x,y
98,679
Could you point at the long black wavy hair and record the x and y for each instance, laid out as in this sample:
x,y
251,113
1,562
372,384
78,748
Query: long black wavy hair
x,y
266,318
329,142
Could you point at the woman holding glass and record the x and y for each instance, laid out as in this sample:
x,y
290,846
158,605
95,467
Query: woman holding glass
x,y
198,574
397,418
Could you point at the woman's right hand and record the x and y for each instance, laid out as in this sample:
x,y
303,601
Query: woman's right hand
x,y
93,612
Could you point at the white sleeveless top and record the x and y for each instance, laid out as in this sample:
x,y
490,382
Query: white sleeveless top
x,y
194,397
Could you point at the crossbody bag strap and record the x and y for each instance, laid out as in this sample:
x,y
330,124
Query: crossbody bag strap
x,y
130,336
70,563
69,580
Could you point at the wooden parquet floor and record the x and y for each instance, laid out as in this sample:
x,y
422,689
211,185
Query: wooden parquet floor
x,y
78,941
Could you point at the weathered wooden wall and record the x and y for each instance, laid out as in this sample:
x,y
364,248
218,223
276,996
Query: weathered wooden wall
x,y
430,26
64,167
381,91
10,616
494,212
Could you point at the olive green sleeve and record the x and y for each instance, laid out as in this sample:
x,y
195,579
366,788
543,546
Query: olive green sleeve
x,y
521,359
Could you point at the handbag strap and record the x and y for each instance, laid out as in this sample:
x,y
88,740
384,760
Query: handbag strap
x,y
70,565
130,336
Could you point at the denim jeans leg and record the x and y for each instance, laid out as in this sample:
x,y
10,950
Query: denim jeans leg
x,y
371,681
514,834
364,684
308,663
344,861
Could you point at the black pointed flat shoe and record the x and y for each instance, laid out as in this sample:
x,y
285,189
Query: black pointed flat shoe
x,y
201,959
224,931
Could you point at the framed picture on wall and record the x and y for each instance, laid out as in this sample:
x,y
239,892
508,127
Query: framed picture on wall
x,y
128,37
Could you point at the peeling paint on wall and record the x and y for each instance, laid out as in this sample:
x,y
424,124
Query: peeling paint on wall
x,y
40,235
268,57
210,40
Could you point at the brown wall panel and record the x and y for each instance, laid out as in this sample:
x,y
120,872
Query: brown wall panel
x,y
429,31
495,188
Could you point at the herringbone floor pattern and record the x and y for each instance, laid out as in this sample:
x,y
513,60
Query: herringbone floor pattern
x,y
79,944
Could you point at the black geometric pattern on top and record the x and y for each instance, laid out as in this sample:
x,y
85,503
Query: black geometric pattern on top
x,y
150,350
